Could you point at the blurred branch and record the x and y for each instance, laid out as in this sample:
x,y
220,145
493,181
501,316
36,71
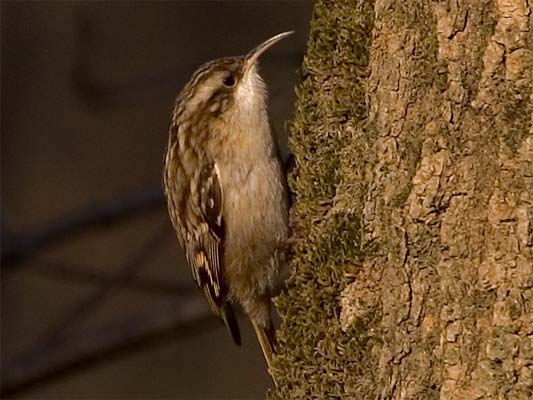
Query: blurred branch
x,y
19,245
119,278
42,364
63,348
79,274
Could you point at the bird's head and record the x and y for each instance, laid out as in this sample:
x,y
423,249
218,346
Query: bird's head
x,y
227,84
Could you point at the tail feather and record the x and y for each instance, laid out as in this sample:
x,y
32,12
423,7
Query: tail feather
x,y
267,340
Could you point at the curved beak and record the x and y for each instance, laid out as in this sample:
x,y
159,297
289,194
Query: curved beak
x,y
251,58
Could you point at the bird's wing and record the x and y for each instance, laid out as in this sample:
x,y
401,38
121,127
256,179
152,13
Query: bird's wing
x,y
204,244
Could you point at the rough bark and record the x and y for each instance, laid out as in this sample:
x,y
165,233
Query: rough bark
x,y
412,276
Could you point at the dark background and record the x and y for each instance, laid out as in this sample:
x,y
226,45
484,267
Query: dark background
x,y
86,94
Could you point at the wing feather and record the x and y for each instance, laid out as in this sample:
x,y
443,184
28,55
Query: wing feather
x,y
202,236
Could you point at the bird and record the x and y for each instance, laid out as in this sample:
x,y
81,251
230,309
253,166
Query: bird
x,y
226,190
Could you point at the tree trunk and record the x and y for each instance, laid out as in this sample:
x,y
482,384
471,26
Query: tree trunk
x,y
412,272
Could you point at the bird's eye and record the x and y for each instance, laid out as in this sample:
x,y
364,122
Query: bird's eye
x,y
229,81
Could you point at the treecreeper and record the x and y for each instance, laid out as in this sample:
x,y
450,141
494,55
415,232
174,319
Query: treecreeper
x,y
226,190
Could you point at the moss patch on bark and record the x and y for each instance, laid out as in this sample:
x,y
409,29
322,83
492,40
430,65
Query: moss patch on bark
x,y
317,359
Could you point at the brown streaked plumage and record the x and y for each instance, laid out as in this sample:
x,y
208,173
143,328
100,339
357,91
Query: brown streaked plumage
x,y
226,190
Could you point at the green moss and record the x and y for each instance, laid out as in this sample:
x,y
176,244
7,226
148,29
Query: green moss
x,y
316,358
